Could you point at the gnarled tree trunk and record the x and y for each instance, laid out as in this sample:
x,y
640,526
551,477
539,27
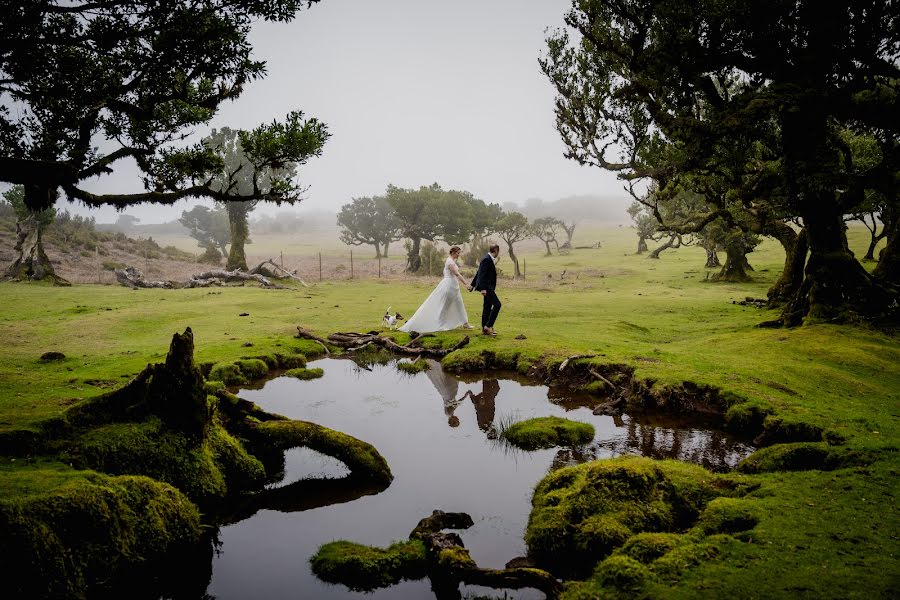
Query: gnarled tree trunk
x,y
515,261
31,261
736,266
240,231
712,258
796,247
642,245
888,270
673,242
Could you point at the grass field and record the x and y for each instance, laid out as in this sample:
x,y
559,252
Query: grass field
x,y
821,534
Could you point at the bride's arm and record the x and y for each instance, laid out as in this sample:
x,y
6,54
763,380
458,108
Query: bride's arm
x,y
454,268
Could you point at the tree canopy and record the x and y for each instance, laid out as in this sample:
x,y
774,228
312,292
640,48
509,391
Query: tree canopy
x,y
87,84
370,221
746,103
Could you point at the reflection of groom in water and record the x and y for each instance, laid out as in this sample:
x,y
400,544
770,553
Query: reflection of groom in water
x,y
485,403
485,281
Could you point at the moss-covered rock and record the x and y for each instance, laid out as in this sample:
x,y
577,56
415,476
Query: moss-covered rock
x,y
622,573
67,539
252,368
205,470
582,513
365,567
781,429
227,373
671,565
804,456
727,515
212,387
291,361
747,417
547,432
302,373
361,458
413,367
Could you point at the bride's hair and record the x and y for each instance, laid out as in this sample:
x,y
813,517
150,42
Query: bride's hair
x,y
455,249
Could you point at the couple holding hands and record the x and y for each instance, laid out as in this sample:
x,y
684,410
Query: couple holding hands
x,y
444,309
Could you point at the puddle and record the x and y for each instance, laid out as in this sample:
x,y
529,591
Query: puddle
x,y
438,434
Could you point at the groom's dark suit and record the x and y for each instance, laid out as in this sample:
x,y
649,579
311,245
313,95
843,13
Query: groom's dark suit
x,y
486,280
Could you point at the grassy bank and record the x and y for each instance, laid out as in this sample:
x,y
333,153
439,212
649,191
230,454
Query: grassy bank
x,y
825,533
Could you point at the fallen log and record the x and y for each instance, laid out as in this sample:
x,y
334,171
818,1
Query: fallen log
x,y
131,277
574,357
305,334
261,270
217,277
352,341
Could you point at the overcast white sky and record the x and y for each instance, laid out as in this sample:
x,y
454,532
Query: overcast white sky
x,y
413,92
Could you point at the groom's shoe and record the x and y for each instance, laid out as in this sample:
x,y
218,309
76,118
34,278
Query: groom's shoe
x,y
486,330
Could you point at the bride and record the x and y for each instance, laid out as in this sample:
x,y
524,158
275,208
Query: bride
x,y
444,308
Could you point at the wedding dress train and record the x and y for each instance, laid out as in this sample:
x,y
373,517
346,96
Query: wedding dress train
x,y
443,309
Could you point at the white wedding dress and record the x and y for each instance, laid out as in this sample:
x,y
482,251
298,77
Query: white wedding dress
x,y
443,309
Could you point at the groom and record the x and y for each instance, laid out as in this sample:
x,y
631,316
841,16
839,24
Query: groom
x,y
486,282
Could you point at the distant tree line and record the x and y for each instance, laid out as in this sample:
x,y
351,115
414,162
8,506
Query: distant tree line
x,y
430,214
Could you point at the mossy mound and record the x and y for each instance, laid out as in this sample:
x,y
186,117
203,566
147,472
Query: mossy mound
x,y
253,368
547,432
65,540
203,470
361,458
367,568
803,456
291,361
582,513
413,367
313,373
227,373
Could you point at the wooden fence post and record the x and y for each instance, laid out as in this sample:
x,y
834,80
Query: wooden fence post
x,y
320,266
379,267
351,264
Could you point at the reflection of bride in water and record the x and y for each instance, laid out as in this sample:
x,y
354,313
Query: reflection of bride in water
x,y
448,387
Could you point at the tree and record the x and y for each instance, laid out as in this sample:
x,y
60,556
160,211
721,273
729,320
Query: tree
x,y
644,223
546,229
209,227
94,83
369,221
514,227
569,227
126,222
712,79
32,262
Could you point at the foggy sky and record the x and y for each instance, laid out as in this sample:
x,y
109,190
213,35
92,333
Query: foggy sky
x,y
413,92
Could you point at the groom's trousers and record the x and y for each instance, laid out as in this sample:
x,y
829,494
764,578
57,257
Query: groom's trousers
x,y
491,309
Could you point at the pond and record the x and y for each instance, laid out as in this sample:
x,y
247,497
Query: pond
x,y
438,433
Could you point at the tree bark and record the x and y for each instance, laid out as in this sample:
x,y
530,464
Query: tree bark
x,y
547,243
413,260
570,232
887,272
796,247
671,243
240,231
377,250
642,245
515,261
32,262
735,268
712,258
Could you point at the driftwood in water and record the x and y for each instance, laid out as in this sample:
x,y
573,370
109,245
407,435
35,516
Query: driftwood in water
x,y
261,269
131,277
355,341
450,563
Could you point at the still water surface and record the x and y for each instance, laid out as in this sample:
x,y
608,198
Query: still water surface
x,y
438,434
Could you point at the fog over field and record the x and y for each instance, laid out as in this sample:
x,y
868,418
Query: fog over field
x,y
414,93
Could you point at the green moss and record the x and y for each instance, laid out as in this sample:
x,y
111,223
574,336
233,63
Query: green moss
x,y
271,360
412,367
366,568
63,541
671,565
455,559
582,513
747,417
727,515
291,361
466,359
313,373
597,388
804,456
252,368
361,458
622,573
647,547
547,432
212,387
227,373
783,429
201,470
